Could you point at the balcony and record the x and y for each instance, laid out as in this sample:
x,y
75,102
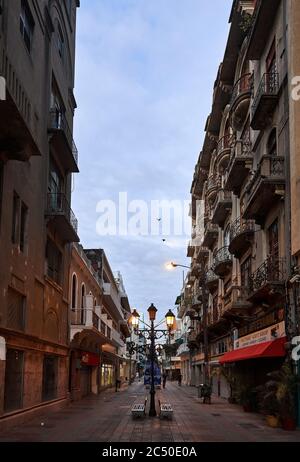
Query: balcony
x,y
240,101
191,249
236,301
241,236
63,142
117,338
222,262
224,147
222,207
61,217
212,281
17,141
265,101
202,254
197,271
265,189
217,324
240,164
212,186
211,233
192,340
86,321
267,283
112,300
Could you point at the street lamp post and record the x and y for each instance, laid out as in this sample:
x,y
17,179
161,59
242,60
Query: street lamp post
x,y
205,330
152,333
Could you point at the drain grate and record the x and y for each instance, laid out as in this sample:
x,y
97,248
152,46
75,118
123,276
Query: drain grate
x,y
216,415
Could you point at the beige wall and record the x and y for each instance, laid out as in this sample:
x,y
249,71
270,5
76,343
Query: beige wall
x,y
294,70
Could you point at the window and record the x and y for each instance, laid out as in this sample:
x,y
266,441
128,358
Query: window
x,y
272,143
16,303
273,240
82,304
54,262
15,219
26,24
19,223
23,227
246,272
60,42
102,328
108,332
74,292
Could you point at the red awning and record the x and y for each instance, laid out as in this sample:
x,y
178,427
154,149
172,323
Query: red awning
x,y
274,348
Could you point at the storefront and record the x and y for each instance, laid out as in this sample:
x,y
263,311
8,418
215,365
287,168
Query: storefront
x,y
88,373
108,369
257,354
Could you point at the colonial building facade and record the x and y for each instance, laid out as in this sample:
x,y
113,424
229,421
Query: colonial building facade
x,y
238,294
98,318
37,159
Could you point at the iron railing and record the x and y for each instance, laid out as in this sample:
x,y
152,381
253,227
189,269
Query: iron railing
x,y
243,85
269,167
57,204
211,276
213,181
241,226
58,121
269,86
226,142
273,270
235,294
222,256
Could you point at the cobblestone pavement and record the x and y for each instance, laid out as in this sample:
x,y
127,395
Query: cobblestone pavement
x,y
107,418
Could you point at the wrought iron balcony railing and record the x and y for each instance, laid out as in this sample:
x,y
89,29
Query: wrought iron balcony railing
x,y
226,142
243,85
59,122
241,226
268,86
57,204
222,256
273,270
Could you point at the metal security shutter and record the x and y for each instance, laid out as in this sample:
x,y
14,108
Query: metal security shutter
x,y
13,393
225,388
85,380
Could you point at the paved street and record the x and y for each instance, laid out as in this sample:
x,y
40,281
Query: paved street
x,y
107,418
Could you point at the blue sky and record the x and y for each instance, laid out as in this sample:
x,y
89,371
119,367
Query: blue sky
x,y
144,77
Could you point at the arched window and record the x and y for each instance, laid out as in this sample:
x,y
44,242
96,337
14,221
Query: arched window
x,y
272,143
82,296
82,303
74,292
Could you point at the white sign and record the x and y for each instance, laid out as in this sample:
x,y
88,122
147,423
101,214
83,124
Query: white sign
x,y
265,335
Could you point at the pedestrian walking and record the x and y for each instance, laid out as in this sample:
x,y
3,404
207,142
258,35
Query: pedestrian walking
x,y
164,379
179,379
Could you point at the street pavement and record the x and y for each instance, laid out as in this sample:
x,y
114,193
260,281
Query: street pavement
x,y
107,418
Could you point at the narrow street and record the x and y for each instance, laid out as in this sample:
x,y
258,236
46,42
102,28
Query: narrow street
x,y
107,418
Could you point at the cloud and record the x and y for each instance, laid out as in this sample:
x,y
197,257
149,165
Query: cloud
x,y
145,72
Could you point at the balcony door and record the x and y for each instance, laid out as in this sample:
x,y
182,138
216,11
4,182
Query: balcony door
x,y
271,69
273,240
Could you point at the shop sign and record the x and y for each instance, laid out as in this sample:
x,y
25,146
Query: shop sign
x,y
90,359
265,335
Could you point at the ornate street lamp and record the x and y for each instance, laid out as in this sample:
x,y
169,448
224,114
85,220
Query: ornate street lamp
x,y
152,333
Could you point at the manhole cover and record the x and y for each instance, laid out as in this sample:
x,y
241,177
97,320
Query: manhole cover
x,y
216,415
248,425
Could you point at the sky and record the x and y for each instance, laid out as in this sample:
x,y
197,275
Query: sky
x,y
145,71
